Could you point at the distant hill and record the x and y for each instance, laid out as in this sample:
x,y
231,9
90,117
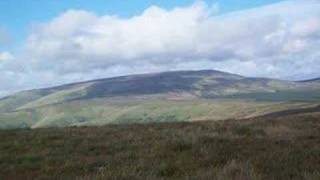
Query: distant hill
x,y
312,80
156,97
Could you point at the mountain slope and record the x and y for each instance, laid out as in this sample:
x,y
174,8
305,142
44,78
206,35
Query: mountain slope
x,y
157,97
315,80
207,83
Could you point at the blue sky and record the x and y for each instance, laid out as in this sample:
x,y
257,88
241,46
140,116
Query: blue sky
x,y
56,41
18,15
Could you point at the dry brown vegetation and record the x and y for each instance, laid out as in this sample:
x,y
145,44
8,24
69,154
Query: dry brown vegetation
x,y
284,147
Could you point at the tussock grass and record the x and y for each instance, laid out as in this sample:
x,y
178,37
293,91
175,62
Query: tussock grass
x,y
278,148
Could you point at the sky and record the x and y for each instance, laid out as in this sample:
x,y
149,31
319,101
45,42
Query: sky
x,y
18,15
46,43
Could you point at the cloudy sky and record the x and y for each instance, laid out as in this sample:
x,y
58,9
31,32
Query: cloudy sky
x,y
47,43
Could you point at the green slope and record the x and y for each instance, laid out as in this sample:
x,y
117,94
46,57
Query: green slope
x,y
13,102
101,112
158,97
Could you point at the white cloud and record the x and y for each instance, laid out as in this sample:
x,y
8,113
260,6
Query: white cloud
x,y
5,56
279,40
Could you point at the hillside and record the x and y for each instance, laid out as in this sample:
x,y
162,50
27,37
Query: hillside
x,y
315,80
278,147
157,97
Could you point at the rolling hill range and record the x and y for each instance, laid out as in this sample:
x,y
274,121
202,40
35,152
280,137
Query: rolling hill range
x,y
157,97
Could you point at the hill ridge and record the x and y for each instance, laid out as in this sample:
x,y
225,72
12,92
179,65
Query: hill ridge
x,y
155,97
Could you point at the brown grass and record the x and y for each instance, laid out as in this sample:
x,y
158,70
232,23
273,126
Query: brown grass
x,y
278,148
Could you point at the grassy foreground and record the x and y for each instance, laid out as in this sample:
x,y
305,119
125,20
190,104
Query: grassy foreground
x,y
278,148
